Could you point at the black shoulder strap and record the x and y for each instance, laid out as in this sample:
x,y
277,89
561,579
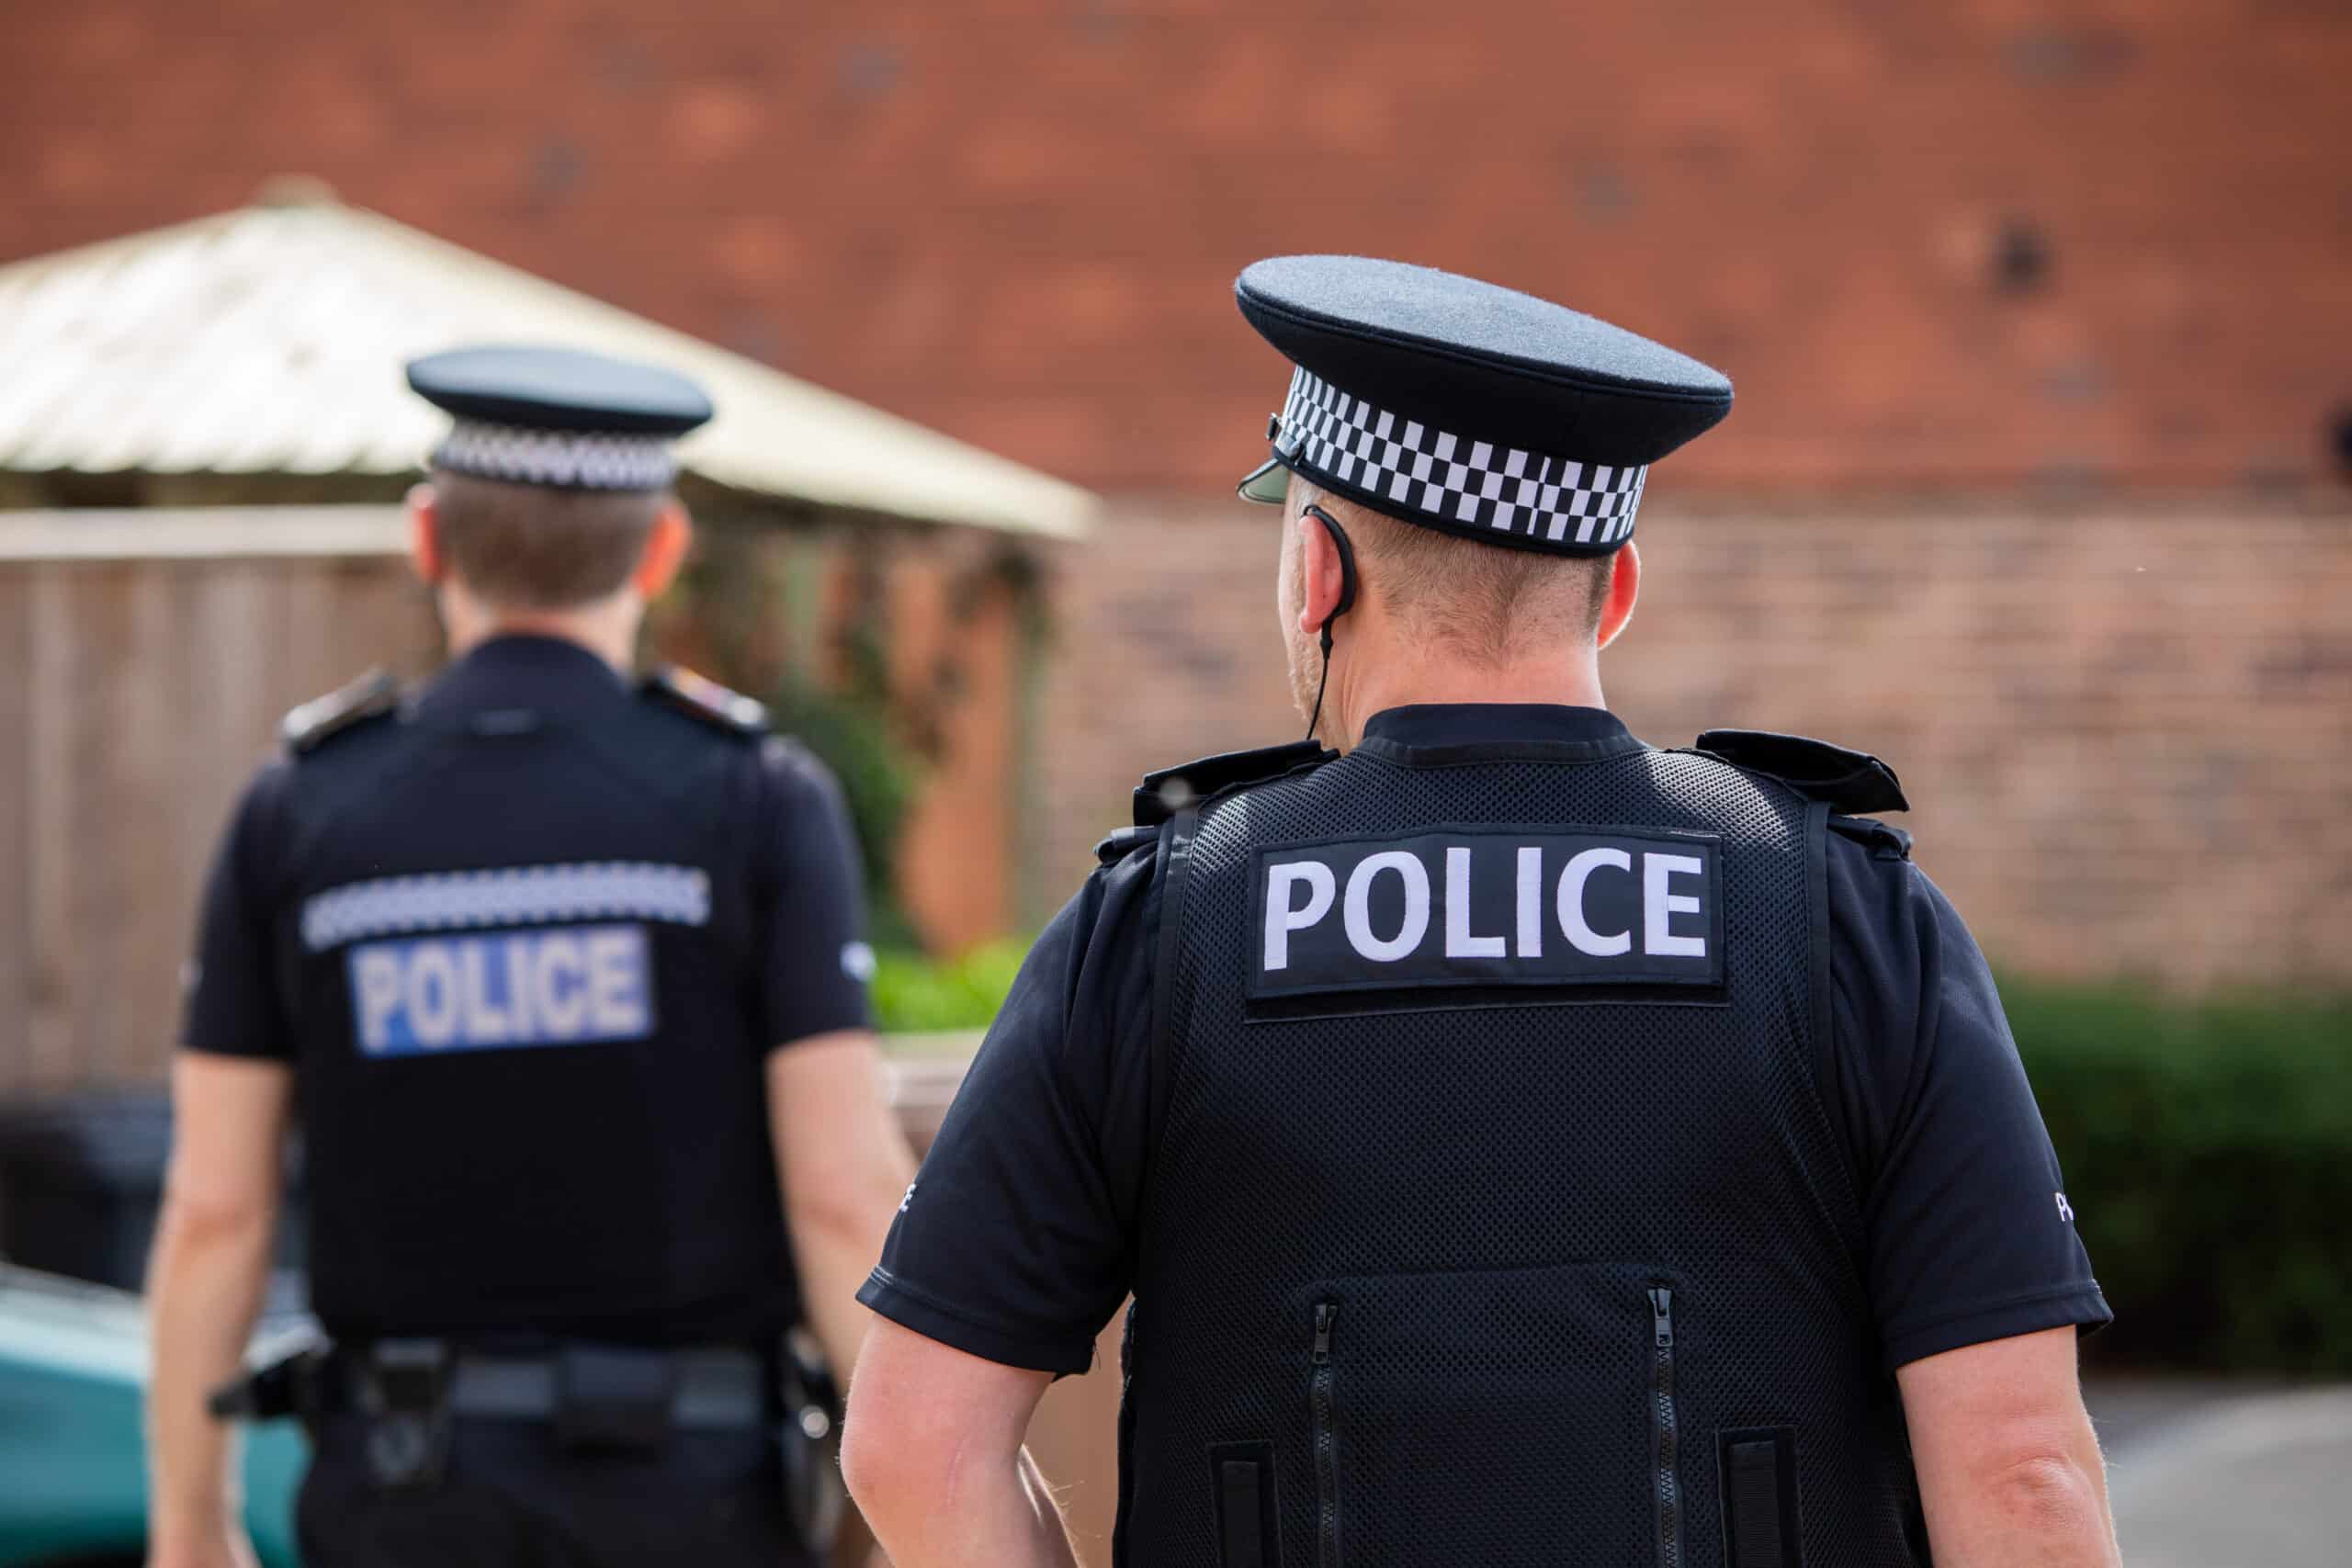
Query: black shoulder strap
x,y
701,698
1847,780
1169,805
1173,867
372,696
1164,793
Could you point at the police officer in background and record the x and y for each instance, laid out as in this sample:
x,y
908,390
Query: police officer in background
x,y
563,972
1523,1145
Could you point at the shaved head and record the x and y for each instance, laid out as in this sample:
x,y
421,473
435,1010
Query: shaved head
x,y
1489,604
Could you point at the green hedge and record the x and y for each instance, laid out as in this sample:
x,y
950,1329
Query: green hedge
x,y
878,776
916,995
2208,1153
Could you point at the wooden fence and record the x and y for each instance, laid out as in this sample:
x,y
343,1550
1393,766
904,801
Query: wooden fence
x,y
145,659
142,670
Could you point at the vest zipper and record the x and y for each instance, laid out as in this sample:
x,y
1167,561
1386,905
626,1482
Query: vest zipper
x,y
1321,1404
1662,1432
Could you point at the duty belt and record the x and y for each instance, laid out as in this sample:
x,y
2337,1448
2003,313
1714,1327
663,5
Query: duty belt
x,y
705,1389
595,1397
692,1389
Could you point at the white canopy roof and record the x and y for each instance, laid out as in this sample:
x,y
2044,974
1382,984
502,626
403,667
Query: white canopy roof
x,y
271,339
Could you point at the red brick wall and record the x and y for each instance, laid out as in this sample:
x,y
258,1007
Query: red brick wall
x,y
1981,246
1017,219
2124,728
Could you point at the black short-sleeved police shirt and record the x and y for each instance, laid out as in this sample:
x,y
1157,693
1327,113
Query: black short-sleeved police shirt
x,y
529,945
1017,1242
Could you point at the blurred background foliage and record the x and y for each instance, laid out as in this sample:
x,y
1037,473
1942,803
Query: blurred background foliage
x,y
879,776
2207,1144
923,994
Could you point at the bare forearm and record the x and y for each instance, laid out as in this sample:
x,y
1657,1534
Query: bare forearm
x,y
845,1166
834,1262
2049,1513
205,1289
1006,1516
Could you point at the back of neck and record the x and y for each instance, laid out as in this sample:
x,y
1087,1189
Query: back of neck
x,y
1424,676
607,629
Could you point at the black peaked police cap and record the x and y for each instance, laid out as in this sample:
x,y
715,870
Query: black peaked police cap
x,y
558,416
1467,407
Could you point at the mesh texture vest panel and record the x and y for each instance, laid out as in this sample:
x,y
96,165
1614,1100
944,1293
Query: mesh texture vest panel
x,y
1503,1283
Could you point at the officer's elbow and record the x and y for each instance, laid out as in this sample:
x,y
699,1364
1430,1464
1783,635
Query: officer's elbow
x,y
887,1457
2049,1496
866,1465
206,1216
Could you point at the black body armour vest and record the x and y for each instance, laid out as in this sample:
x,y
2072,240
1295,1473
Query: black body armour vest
x,y
531,1085
1529,1241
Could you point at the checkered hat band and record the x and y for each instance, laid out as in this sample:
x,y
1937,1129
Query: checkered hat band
x,y
1452,479
580,460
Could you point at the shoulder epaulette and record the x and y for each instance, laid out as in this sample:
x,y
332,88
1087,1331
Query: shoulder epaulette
x,y
1850,781
1164,793
1873,835
705,699
372,696
1121,842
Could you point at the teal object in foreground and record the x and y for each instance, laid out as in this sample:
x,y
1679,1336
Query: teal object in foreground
x,y
73,1471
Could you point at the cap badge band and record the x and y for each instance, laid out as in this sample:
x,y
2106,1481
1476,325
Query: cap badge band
x,y
582,460
1448,478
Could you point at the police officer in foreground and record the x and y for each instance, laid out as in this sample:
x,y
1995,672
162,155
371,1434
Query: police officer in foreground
x,y
1523,1145
559,972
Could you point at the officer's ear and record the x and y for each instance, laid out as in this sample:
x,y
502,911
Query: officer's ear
x,y
424,535
1624,586
1323,573
665,550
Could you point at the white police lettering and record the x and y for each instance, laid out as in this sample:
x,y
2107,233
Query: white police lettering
x,y
1281,917
558,998
431,995
1625,906
490,1023
1459,942
560,986
1571,902
1416,922
1531,901
1660,907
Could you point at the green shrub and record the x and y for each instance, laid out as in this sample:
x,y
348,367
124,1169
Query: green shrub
x,y
2208,1153
879,776
918,995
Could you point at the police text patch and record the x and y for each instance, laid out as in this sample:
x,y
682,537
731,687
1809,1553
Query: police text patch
x,y
1488,906
556,985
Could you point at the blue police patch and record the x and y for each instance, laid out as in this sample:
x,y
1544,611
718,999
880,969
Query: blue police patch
x,y
1489,906
556,986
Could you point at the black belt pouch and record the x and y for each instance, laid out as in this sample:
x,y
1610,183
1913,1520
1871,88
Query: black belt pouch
x,y
610,1397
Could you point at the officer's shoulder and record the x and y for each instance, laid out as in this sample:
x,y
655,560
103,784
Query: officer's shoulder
x,y
1166,791
676,689
1851,783
343,711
